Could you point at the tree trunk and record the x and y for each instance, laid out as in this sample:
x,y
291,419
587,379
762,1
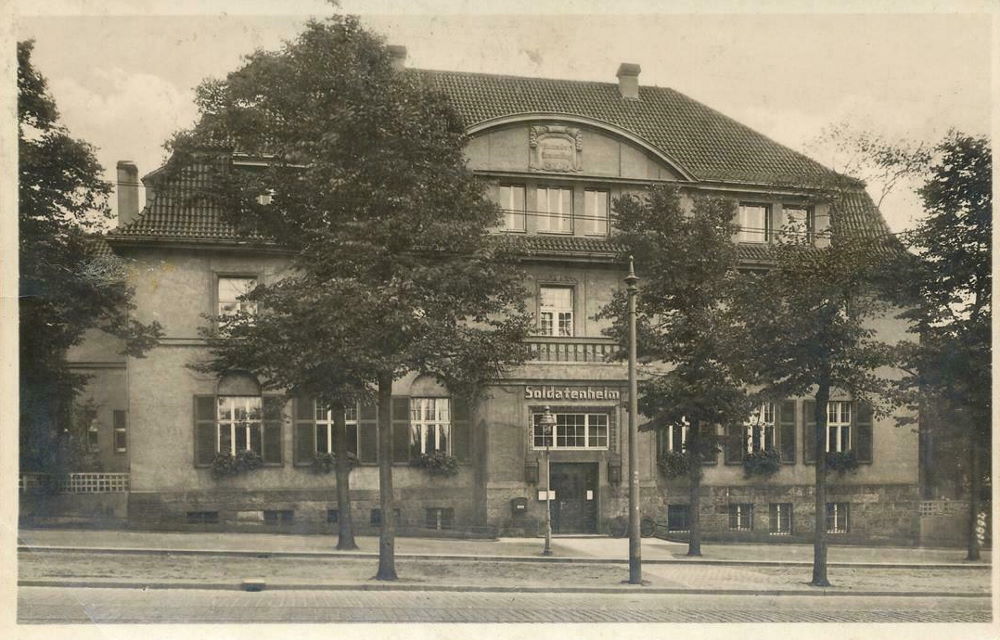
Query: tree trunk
x,y
345,539
819,578
975,483
387,533
694,499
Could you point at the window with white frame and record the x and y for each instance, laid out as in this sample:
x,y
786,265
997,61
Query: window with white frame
x,y
92,438
754,221
555,209
595,211
512,203
231,290
837,517
573,431
430,425
741,516
555,311
758,431
780,518
239,420
838,426
673,437
799,223
324,429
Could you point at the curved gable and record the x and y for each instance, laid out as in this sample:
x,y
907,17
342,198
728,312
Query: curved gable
x,y
557,143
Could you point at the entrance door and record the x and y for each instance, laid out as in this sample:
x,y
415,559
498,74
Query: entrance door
x,y
574,509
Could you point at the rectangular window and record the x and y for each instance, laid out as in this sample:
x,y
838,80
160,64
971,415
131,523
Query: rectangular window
x,y
375,519
333,515
512,203
555,311
780,518
754,221
121,430
741,517
758,431
573,431
92,438
595,210
324,429
202,517
673,437
231,292
430,425
677,517
555,209
837,517
838,426
239,422
279,516
799,223
439,518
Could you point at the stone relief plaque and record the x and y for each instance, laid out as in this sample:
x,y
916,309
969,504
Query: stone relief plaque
x,y
555,148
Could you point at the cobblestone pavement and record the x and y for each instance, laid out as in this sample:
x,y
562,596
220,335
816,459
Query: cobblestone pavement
x,y
47,605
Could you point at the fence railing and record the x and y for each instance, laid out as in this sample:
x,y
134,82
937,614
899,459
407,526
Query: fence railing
x,y
553,349
74,482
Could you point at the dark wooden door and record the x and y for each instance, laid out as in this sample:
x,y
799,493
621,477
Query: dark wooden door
x,y
574,509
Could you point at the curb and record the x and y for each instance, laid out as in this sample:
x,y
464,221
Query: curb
x,y
477,558
289,586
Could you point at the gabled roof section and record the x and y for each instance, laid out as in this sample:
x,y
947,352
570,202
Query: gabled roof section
x,y
709,145
178,211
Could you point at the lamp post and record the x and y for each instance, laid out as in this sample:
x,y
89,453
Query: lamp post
x,y
634,541
548,423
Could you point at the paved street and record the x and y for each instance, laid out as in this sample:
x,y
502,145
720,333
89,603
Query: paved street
x,y
56,605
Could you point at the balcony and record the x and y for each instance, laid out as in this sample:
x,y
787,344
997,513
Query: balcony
x,y
572,349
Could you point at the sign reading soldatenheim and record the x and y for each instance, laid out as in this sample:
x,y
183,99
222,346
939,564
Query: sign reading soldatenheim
x,y
550,392
555,156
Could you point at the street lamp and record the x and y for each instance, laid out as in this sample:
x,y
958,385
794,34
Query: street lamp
x,y
634,541
547,422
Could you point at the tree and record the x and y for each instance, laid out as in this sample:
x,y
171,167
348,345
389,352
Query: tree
x,y
686,261
65,289
803,328
386,229
949,291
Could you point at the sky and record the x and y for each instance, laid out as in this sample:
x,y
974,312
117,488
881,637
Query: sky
x,y
126,82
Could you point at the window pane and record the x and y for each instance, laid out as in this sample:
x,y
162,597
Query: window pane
x,y
598,430
798,222
752,220
255,443
555,209
225,439
322,443
596,211
512,202
556,297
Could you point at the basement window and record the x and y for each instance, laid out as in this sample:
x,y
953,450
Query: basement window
x,y
278,516
202,517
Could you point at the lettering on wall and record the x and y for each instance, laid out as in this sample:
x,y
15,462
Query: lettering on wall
x,y
555,148
570,393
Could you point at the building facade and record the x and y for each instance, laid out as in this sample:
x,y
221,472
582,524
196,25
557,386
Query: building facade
x,y
555,154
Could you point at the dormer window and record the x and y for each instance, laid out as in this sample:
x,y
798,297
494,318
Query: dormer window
x,y
512,203
754,221
799,223
555,209
595,211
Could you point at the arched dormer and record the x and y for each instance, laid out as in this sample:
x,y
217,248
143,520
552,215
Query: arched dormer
x,y
567,146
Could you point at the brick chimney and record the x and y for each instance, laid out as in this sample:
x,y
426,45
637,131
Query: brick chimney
x,y
628,80
128,192
398,53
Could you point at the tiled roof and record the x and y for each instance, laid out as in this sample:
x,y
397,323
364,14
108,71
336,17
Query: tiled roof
x,y
178,211
706,143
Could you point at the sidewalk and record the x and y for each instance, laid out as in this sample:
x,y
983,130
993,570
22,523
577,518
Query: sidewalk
x,y
582,549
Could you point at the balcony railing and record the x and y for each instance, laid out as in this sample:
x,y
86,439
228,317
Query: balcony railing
x,y
555,349
74,482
